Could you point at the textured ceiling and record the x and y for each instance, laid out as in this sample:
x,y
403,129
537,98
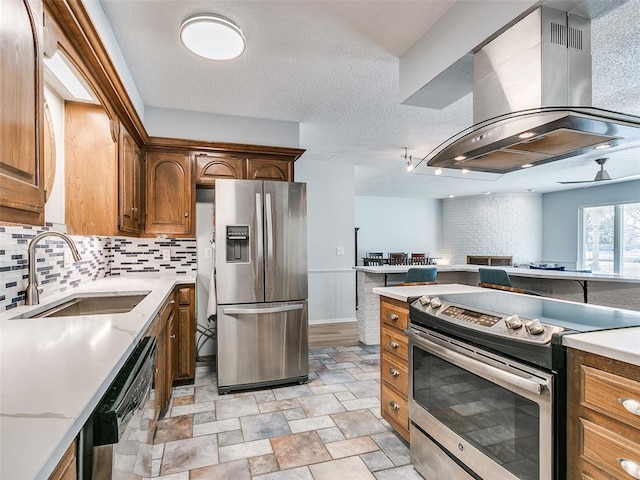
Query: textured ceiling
x,y
333,67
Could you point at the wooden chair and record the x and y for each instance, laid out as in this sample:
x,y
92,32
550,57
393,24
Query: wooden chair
x,y
419,259
374,259
398,258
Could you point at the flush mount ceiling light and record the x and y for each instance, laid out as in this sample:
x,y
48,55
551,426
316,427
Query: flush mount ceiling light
x,y
213,37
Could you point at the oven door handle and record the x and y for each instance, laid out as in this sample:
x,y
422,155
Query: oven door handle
x,y
531,384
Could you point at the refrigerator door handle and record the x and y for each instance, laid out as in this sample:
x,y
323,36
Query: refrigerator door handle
x,y
258,311
269,261
259,241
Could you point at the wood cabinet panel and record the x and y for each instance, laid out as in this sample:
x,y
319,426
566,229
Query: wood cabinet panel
x,y
170,196
185,365
261,168
603,447
395,410
603,392
395,341
394,315
395,372
91,174
130,184
66,468
21,97
212,166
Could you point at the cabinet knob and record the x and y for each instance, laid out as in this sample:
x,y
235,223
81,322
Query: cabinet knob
x,y
172,302
173,336
631,405
631,467
393,344
394,372
186,214
134,209
393,316
394,405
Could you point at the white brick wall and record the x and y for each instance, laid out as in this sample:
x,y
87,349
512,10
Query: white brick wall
x,y
505,224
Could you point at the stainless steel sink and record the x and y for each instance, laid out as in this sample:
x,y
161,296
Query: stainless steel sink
x,y
88,304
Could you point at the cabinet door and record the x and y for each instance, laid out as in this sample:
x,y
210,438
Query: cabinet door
x,y
218,165
185,366
21,124
129,187
66,468
170,200
264,168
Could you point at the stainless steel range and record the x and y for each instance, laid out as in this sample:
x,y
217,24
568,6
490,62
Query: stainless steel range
x,y
487,383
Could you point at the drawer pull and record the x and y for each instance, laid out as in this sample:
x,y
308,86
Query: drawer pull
x,y
394,372
393,316
630,404
393,344
631,467
395,406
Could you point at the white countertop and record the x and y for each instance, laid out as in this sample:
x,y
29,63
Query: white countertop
x,y
514,271
53,371
620,344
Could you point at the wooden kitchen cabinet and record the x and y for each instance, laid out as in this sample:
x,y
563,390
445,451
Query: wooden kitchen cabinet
x,y
22,112
211,166
161,329
600,430
394,364
266,168
66,468
170,194
184,365
130,184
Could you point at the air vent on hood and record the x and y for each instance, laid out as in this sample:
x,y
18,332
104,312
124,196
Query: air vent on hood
x,y
532,100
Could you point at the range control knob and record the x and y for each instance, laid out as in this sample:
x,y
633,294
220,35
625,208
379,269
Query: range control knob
x,y
534,327
513,322
435,302
425,300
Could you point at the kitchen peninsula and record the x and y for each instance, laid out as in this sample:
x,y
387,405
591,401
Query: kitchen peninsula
x,y
600,289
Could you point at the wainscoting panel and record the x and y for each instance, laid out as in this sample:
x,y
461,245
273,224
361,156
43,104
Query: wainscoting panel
x,y
332,296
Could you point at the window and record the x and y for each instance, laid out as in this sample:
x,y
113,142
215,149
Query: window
x,y
611,239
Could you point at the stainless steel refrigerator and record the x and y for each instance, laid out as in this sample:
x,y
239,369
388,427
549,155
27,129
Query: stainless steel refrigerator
x,y
261,283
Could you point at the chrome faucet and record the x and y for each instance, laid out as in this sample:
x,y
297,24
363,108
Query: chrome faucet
x,y
32,293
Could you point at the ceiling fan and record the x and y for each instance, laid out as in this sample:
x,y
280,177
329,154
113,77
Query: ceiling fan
x,y
601,176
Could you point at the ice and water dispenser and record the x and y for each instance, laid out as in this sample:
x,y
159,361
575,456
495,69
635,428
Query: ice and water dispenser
x,y
237,243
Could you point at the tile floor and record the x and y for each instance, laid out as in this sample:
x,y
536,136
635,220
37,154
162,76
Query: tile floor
x,y
328,429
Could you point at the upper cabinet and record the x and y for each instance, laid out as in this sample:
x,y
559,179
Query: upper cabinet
x,y
266,168
131,184
21,97
170,194
211,166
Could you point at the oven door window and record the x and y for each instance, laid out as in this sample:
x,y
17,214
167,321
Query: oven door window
x,y
501,424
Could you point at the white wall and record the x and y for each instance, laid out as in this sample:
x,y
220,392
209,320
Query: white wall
x,y
164,122
54,208
502,225
330,214
388,224
560,217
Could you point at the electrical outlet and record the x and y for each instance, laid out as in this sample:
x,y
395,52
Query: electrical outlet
x,y
339,250
166,254
208,253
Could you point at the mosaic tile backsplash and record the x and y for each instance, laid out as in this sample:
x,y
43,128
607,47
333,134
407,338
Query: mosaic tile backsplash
x,y
101,257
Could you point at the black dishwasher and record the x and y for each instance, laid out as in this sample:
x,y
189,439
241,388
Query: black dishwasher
x,y
117,440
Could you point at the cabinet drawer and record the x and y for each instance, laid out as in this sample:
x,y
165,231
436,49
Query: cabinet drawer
x,y
395,372
395,409
396,342
394,315
606,392
603,448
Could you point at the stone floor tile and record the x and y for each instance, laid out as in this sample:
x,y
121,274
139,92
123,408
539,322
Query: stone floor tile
x,y
339,366
157,450
238,470
174,428
264,425
192,408
400,473
294,414
369,365
204,417
361,403
341,357
358,423
364,389
328,435
267,396
295,391
318,405
308,424
244,450
377,411
278,405
185,400
174,476
377,461
208,393
349,448
189,454
336,376
230,438
396,449
216,427
182,391
299,449
344,395
333,388
352,348
300,473
319,351
263,464
352,468
367,376
236,407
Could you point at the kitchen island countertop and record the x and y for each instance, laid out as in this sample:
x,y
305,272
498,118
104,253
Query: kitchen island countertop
x,y
54,371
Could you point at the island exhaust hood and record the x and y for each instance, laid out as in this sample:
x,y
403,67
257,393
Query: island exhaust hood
x,y
532,100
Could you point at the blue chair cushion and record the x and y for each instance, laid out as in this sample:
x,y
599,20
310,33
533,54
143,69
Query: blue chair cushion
x,y
421,275
494,276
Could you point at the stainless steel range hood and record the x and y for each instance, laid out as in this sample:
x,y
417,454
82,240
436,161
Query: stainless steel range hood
x,y
532,100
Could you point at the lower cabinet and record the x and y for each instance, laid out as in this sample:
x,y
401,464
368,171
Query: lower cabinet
x,y
394,364
184,364
66,468
603,412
